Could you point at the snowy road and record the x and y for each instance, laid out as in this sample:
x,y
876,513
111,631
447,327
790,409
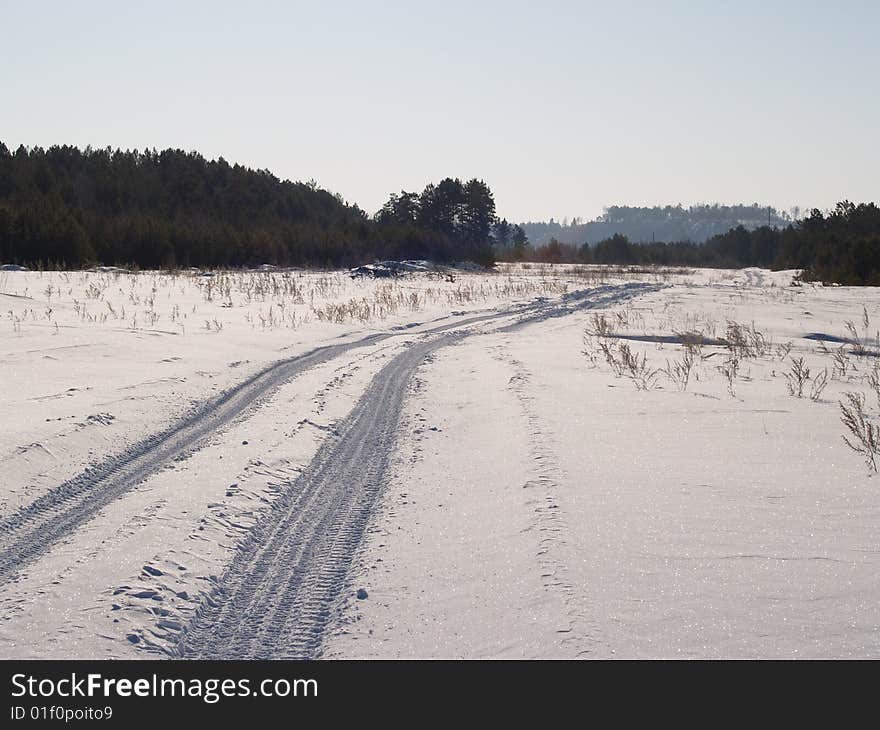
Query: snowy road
x,y
34,528
275,600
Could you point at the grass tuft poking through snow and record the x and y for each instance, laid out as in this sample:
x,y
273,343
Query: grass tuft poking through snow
x,y
864,436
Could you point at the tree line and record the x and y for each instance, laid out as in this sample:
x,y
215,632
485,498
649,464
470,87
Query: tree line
x,y
63,206
842,246
452,219
72,207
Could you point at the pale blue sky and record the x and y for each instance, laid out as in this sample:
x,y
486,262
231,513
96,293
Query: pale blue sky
x,y
562,107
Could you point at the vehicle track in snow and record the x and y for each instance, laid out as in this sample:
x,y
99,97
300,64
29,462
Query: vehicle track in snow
x,y
33,528
276,599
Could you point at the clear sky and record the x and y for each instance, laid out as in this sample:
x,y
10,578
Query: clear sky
x,y
562,107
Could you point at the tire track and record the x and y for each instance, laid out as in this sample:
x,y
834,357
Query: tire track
x,y
278,591
33,528
276,598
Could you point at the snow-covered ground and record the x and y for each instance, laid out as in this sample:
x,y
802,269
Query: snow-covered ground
x,y
542,498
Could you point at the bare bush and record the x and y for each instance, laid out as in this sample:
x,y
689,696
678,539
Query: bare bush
x,y
679,371
864,436
637,369
820,382
841,364
860,341
783,351
730,370
608,348
599,325
796,378
858,348
874,381
745,341
588,350
692,342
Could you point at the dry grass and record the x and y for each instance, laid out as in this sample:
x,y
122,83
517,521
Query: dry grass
x,y
864,436
168,301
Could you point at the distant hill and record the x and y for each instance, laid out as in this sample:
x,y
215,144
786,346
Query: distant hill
x,y
841,246
697,223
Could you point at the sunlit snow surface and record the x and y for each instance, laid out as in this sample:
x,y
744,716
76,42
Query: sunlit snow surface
x,y
538,505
